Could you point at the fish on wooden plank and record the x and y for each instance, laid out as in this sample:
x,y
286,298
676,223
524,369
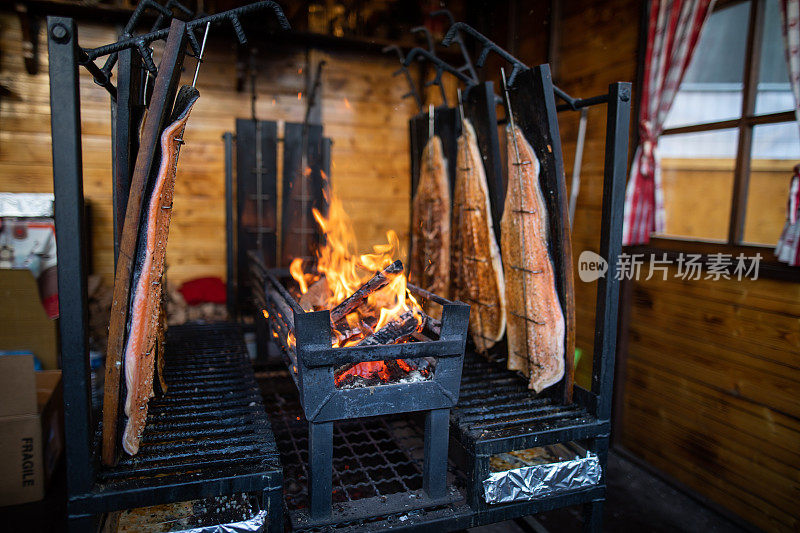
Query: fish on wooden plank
x,y
142,341
430,231
476,267
535,321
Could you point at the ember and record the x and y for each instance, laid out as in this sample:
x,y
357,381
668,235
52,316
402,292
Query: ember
x,y
366,294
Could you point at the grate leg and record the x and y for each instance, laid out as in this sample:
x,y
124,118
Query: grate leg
x,y
437,428
593,516
320,479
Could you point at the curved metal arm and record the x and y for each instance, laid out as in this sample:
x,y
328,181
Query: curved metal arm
x,y
428,37
488,46
412,88
141,42
440,67
467,66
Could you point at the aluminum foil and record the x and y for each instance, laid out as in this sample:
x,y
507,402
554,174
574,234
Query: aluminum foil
x,y
251,525
537,481
26,204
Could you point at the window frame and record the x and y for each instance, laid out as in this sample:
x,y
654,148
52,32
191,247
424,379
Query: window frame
x,y
744,125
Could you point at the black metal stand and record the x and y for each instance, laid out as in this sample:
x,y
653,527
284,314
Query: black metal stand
x,y
312,363
187,463
496,413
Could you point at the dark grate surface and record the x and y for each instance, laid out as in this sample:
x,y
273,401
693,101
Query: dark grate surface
x,y
372,457
210,424
496,403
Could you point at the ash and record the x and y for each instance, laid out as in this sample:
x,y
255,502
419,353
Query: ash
x,y
357,382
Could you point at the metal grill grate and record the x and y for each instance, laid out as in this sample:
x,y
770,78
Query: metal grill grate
x,y
495,403
211,423
372,457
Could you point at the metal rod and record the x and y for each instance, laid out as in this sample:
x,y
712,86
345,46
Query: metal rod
x,y
576,167
200,57
460,109
616,160
431,113
230,252
70,237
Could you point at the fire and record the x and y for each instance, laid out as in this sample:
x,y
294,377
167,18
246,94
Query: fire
x,y
296,270
344,270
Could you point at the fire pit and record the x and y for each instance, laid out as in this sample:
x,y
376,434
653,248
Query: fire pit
x,y
430,382
360,342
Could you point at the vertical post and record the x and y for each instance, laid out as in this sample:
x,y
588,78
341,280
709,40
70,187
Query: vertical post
x,y
593,516
124,130
616,164
437,431
320,479
62,37
230,249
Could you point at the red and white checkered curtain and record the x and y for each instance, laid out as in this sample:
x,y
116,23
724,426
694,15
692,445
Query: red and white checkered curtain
x,y
788,248
672,35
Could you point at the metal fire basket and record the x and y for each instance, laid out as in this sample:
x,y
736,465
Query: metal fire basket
x,y
312,362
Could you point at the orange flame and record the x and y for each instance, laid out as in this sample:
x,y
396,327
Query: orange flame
x,y
296,270
345,271
347,103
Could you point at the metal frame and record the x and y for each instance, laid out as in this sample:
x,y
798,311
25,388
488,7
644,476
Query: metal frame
x,y
312,363
87,497
590,419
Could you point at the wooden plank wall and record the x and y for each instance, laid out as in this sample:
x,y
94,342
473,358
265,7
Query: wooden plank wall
x,y
362,111
713,366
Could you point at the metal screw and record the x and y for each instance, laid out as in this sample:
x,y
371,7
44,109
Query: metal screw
x,y
59,33
625,94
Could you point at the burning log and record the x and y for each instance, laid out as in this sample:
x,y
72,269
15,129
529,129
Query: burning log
x,y
316,295
395,331
358,298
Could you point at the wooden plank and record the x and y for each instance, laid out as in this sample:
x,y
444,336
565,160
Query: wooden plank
x,y
164,89
533,107
247,204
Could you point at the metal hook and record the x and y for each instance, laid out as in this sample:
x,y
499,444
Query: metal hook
x,y
200,57
460,108
431,114
510,114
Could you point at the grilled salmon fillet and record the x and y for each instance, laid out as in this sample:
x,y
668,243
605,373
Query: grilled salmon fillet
x,y
535,317
476,267
430,228
143,326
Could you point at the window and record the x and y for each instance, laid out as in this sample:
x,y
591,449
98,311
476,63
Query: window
x,y
731,140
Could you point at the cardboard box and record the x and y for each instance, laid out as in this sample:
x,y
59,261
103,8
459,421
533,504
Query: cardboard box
x,y
31,428
24,324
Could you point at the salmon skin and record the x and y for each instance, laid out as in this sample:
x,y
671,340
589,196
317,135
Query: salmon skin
x,y
476,265
535,317
430,231
144,323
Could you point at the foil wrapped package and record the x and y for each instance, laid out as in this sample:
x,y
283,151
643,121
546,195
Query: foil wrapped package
x,y
251,525
537,481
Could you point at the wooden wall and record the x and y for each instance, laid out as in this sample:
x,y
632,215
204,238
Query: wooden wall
x,y
362,111
713,367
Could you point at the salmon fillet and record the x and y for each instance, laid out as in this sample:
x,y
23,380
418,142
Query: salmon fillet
x,y
143,326
535,317
430,228
476,266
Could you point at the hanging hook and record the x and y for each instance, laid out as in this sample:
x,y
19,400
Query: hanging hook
x,y
431,113
460,108
200,57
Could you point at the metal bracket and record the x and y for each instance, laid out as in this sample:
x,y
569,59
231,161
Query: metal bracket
x,y
141,43
404,70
